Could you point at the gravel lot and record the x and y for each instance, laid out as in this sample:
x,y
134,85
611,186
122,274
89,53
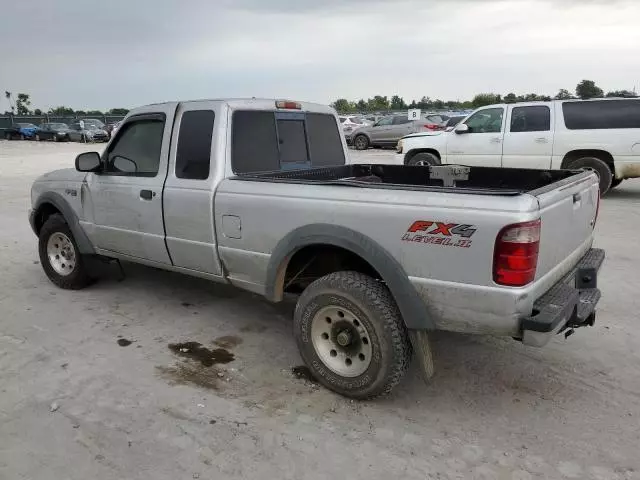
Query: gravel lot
x,y
75,404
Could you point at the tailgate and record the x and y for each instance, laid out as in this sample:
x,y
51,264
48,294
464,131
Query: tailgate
x,y
567,211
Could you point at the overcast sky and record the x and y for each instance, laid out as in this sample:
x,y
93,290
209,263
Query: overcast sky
x,y
113,53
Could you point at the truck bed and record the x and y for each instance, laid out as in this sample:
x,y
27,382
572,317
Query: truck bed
x,y
442,178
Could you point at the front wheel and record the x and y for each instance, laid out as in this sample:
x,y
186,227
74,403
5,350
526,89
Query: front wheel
x,y
59,255
424,159
361,142
351,335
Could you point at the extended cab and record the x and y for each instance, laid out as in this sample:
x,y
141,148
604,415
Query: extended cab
x,y
257,194
602,134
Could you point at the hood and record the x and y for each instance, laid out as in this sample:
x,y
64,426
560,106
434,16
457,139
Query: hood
x,y
435,133
64,174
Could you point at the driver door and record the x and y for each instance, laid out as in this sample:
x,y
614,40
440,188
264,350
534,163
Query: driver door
x,y
126,196
481,146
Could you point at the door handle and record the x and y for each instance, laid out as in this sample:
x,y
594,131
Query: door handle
x,y
541,140
147,194
496,140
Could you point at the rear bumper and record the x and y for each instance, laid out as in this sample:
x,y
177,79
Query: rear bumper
x,y
570,303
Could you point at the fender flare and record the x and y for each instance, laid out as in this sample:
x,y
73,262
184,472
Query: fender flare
x,y
55,199
412,307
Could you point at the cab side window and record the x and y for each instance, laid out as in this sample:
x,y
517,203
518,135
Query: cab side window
x,y
488,120
136,150
193,155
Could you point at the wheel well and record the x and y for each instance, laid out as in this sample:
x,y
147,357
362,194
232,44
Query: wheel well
x,y
315,261
43,213
413,153
601,154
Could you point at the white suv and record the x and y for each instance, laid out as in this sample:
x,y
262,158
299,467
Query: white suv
x,y
602,134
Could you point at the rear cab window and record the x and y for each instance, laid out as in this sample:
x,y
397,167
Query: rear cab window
x,y
263,141
601,114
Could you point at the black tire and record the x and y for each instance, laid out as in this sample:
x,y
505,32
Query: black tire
x,y
615,182
372,304
78,277
361,142
423,159
599,166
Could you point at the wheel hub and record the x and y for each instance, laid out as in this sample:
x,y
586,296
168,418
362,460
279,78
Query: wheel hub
x,y
341,341
343,338
61,254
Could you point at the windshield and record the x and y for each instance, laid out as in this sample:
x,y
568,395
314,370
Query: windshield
x,y
25,125
58,126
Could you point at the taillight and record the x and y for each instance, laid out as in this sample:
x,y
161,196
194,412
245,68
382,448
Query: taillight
x,y
430,126
515,257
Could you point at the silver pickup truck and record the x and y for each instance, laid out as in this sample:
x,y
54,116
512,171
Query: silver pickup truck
x,y
258,194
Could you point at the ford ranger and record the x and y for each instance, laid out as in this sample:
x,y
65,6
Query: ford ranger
x,y
258,194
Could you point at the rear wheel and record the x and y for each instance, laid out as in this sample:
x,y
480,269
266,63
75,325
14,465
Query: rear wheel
x,y
59,255
599,166
424,159
351,335
361,142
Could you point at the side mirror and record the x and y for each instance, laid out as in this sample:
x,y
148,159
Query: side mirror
x,y
463,128
88,162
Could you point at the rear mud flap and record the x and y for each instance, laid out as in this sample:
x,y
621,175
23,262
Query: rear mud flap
x,y
422,351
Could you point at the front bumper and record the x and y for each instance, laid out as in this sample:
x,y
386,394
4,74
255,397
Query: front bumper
x,y
569,304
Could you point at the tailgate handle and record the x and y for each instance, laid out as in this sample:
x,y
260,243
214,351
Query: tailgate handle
x,y
576,198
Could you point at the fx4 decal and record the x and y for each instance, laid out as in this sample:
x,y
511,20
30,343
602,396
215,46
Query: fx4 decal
x,y
440,233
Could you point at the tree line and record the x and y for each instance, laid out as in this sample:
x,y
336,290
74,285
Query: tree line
x,y
585,89
22,103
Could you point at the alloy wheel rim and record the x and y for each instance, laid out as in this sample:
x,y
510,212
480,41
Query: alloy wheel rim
x,y
341,341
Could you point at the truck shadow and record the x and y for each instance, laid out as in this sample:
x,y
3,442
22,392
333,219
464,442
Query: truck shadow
x,y
623,192
472,372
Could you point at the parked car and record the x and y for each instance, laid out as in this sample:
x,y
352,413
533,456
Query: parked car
x,y
350,123
55,132
388,130
86,133
601,134
379,255
114,128
22,131
435,121
99,124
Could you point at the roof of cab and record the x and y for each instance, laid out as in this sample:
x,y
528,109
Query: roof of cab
x,y
249,104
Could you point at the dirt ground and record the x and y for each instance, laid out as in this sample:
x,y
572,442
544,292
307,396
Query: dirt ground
x,y
94,384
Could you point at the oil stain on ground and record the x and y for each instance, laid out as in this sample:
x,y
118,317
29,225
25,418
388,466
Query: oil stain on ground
x,y
195,351
123,342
